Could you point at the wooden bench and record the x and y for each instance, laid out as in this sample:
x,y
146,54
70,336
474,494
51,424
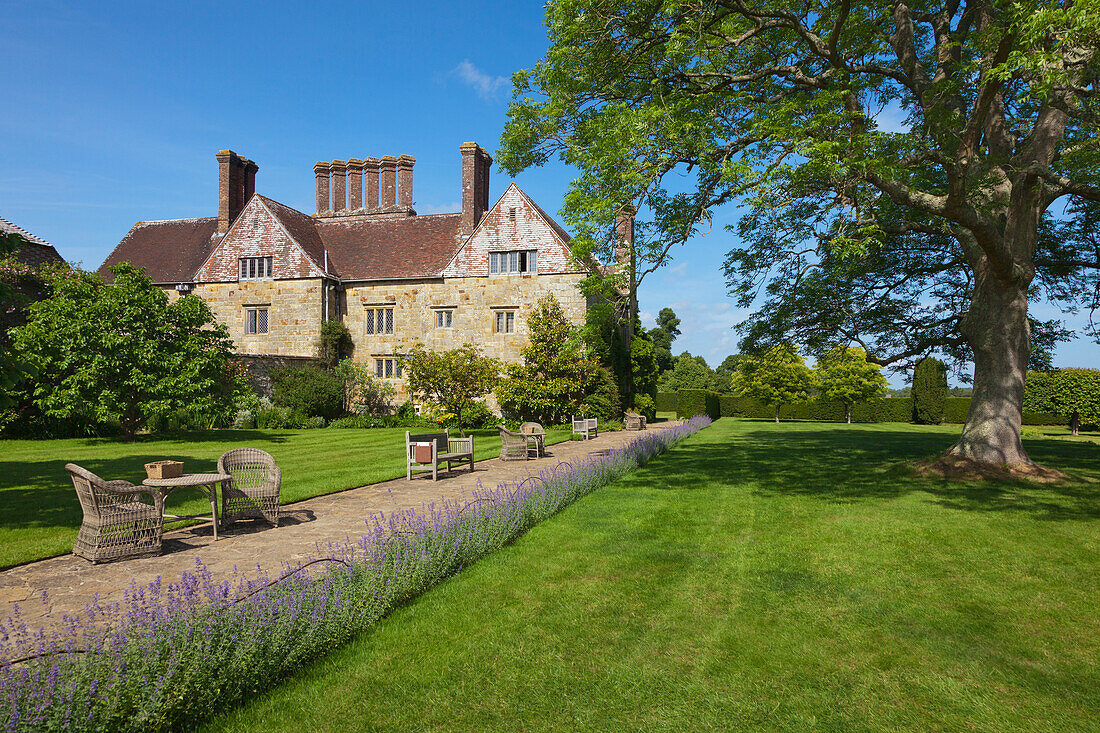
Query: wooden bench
x,y
585,426
634,421
436,449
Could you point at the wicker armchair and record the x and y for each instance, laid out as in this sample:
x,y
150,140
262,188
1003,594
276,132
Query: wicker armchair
x,y
538,434
254,490
513,445
117,523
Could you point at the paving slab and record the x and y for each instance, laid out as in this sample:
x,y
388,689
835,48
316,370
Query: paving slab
x,y
72,582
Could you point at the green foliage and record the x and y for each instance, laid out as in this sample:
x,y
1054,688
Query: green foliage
x,y
692,402
1072,393
688,372
603,401
777,377
643,360
666,401
557,372
334,343
364,393
929,391
662,336
845,375
452,379
122,353
308,391
645,405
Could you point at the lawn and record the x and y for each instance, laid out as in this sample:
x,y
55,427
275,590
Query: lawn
x,y
760,576
41,514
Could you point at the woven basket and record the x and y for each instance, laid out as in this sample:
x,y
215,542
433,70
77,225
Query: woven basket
x,y
164,469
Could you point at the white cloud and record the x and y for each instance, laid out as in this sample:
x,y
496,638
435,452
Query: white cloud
x,y
488,87
445,208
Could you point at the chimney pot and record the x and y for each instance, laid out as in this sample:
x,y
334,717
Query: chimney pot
x,y
236,181
370,198
339,186
388,167
475,186
321,168
405,180
355,184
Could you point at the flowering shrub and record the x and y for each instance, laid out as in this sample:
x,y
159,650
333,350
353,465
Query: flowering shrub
x,y
168,655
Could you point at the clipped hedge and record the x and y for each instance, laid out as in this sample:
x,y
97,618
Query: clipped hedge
x,y
694,402
667,401
929,391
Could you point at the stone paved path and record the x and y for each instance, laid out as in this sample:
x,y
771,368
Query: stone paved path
x,y
72,582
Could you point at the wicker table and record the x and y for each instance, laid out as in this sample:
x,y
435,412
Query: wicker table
x,y
207,483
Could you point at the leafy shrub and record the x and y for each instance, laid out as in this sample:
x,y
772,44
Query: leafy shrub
x,y
364,393
929,391
603,403
244,420
309,391
643,403
334,343
1073,394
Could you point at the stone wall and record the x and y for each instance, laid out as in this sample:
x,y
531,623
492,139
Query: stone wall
x,y
474,302
293,313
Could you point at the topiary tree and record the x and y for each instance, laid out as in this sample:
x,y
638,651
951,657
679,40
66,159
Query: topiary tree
x,y
1074,393
929,391
845,375
122,352
557,372
643,362
777,377
453,379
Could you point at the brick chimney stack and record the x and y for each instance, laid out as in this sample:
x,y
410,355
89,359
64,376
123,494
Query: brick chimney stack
x,y
236,183
475,186
339,186
405,180
370,199
321,168
389,181
624,235
355,184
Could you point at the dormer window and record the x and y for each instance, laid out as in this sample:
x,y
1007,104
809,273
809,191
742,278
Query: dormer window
x,y
510,263
256,268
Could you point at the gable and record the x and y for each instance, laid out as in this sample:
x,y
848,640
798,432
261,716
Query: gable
x,y
258,232
531,229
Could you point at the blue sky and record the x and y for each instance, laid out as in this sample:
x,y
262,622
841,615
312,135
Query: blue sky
x,y
112,113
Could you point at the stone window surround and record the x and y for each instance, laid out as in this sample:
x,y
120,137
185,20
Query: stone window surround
x,y
252,322
443,316
244,265
388,366
388,327
503,317
529,257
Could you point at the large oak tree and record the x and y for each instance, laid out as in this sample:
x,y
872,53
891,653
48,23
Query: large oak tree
x,y
904,239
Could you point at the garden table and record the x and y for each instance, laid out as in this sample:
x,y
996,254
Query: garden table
x,y
207,483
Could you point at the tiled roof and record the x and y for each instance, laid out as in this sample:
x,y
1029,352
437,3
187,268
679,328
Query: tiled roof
x,y
170,251
377,249
302,229
34,250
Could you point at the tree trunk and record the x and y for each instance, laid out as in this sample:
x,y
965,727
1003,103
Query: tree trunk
x,y
848,412
1075,423
996,327
777,413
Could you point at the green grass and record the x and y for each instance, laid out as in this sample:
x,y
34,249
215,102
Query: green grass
x,y
760,576
41,514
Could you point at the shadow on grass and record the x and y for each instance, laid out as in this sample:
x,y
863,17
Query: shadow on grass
x,y
853,465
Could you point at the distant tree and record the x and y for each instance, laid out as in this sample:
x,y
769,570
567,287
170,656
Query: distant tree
x,y
688,372
666,331
845,375
453,379
1072,393
123,352
929,391
723,381
777,377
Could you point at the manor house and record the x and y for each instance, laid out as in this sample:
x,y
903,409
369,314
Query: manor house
x,y
273,274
